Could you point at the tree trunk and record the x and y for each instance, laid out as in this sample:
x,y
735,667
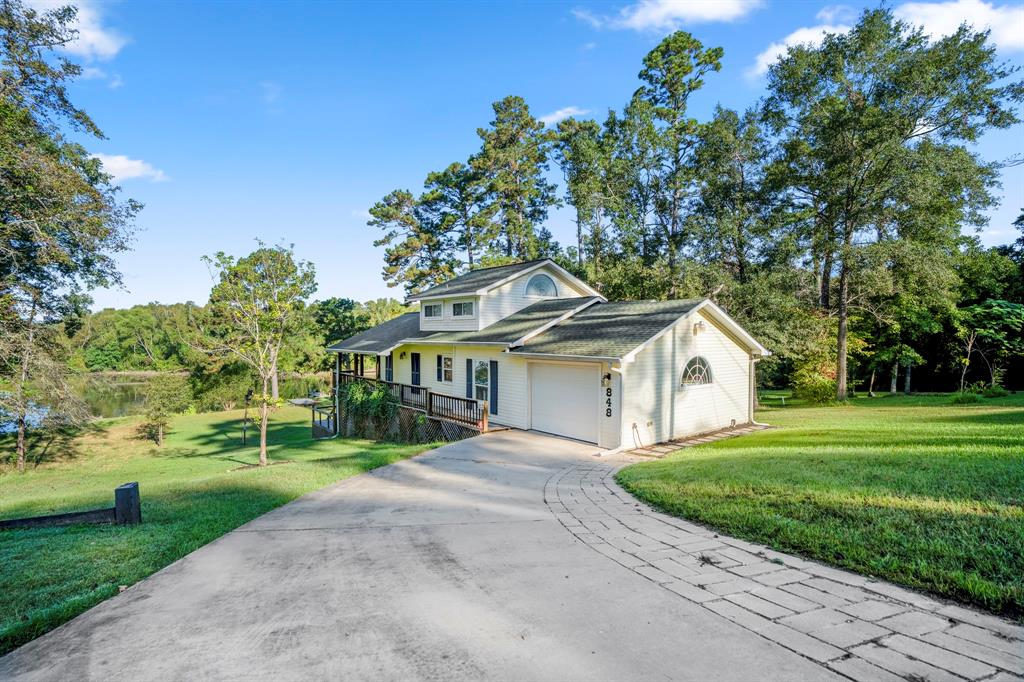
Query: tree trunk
x,y
906,380
871,385
841,340
967,360
160,435
274,393
22,446
825,282
264,414
894,378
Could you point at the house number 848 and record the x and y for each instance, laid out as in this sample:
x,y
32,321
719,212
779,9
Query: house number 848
x,y
608,402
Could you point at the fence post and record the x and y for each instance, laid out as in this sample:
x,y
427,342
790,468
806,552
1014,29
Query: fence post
x,y
483,416
430,403
127,507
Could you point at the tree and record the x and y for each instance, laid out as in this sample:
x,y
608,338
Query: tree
x,y
457,198
419,251
995,331
166,396
865,114
512,161
673,71
60,221
256,303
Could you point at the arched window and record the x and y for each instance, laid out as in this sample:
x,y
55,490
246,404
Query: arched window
x,y
696,373
542,286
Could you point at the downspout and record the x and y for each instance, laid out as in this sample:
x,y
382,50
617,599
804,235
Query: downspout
x,y
752,391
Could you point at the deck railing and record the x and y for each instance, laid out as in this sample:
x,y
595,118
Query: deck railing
x,y
454,408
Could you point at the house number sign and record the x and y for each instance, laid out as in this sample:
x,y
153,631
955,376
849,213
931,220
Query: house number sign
x,y
608,401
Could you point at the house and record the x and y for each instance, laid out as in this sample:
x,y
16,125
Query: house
x,y
540,349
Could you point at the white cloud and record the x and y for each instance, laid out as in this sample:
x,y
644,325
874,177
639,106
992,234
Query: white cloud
x,y
808,35
587,47
123,168
831,14
114,81
943,18
562,114
94,41
271,91
668,15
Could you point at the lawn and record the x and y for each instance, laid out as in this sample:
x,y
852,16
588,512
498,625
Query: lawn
x,y
192,490
913,490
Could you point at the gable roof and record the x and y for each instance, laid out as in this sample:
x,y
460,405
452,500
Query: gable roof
x,y
608,330
480,281
383,337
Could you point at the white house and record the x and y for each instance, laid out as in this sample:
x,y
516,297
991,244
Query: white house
x,y
547,352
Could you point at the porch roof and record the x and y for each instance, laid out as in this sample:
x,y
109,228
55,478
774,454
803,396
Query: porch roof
x,y
383,337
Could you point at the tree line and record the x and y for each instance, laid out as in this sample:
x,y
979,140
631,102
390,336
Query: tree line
x,y
833,218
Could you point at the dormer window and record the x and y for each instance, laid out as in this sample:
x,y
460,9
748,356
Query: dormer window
x,y
462,309
433,310
541,286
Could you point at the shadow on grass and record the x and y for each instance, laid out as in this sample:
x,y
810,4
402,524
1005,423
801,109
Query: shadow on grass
x,y
47,446
1010,415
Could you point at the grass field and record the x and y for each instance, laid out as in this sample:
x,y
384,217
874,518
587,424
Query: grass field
x,y
192,492
913,490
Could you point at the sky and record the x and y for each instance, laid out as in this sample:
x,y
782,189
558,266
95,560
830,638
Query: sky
x,y
286,121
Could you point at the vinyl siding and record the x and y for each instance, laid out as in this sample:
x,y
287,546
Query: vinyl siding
x,y
448,321
512,377
510,297
655,408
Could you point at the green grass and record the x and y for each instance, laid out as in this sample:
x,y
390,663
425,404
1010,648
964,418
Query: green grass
x,y
192,492
913,490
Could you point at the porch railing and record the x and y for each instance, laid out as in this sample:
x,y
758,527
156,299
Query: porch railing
x,y
454,408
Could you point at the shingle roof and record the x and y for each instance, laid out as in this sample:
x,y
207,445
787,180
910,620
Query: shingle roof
x,y
608,330
516,325
382,337
474,280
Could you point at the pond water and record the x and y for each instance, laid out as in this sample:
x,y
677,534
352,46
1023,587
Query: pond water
x,y
118,396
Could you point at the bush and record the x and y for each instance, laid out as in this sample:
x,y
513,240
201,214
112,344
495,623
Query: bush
x,y
995,392
166,396
965,398
813,387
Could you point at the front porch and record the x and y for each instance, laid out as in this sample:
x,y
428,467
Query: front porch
x,y
465,411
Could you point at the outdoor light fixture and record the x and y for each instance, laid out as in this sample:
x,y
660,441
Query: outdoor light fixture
x,y
401,356
698,327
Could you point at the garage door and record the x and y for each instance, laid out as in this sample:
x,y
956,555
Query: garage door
x,y
564,400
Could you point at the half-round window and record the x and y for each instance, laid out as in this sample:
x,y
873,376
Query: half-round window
x,y
696,373
541,286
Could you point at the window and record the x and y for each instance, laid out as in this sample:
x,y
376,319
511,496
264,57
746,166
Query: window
x,y
696,373
389,367
444,368
481,380
432,310
541,286
462,309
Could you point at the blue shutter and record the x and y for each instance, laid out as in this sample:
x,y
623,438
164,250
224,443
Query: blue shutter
x,y
493,406
439,368
469,379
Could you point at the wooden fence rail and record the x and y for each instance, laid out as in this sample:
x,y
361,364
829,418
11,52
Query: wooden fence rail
x,y
127,510
462,410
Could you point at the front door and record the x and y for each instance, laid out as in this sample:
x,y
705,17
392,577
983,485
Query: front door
x,y
415,358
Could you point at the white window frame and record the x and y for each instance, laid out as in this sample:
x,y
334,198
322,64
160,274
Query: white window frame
x,y
447,369
526,291
433,306
472,309
684,384
486,385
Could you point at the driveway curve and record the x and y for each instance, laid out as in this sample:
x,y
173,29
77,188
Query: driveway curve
x,y
448,566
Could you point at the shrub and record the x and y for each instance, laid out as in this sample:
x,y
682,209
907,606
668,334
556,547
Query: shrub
x,y
965,398
813,387
995,392
166,396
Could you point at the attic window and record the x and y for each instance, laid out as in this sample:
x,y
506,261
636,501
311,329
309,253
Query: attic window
x,y
541,286
462,309
696,373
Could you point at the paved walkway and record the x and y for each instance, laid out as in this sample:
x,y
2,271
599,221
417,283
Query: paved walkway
x,y
661,449
452,566
860,628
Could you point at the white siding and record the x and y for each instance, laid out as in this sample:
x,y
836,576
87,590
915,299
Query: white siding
x,y
512,378
502,301
448,321
655,408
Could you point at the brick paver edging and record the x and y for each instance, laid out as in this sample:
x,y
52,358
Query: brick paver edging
x,y
860,628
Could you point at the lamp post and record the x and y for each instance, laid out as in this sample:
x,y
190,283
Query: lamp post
x,y
245,417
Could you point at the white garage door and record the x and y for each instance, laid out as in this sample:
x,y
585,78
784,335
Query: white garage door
x,y
564,400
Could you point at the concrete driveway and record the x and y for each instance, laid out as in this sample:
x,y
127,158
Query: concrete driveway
x,y
447,566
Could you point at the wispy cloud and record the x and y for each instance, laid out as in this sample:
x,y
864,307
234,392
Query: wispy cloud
x,y
808,35
271,91
587,47
668,15
123,168
832,14
562,114
113,81
1006,22
95,40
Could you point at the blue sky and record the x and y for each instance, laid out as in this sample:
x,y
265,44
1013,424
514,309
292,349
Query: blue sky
x,y
286,121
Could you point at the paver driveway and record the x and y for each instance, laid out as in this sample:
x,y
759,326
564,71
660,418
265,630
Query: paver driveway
x,y
447,566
